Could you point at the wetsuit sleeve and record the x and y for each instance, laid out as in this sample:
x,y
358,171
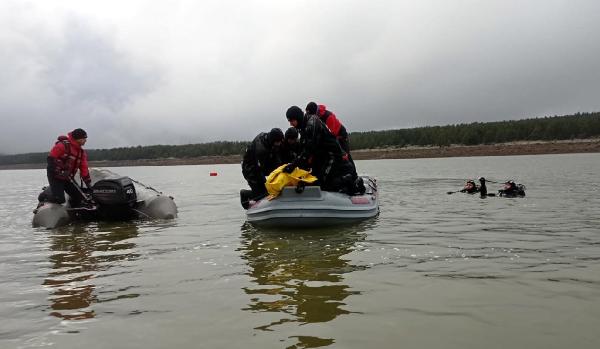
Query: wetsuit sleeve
x,y
51,164
263,163
343,132
251,162
308,148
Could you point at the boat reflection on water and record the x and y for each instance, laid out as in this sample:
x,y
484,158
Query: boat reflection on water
x,y
80,253
300,274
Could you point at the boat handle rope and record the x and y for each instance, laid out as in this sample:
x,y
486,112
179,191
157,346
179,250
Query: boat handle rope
x,y
145,186
140,212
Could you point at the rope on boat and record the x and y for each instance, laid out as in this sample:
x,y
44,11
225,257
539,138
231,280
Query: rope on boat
x,y
145,186
140,212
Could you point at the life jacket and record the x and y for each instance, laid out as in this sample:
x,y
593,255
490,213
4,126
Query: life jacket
x,y
69,157
333,124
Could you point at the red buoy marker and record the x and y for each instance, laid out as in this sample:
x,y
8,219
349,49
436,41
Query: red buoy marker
x,y
212,174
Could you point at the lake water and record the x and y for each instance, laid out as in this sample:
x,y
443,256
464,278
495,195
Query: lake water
x,y
432,270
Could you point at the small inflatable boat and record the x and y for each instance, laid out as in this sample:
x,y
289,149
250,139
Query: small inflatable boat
x,y
113,198
313,207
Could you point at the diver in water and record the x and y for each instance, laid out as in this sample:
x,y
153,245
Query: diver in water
x,y
470,187
482,187
511,189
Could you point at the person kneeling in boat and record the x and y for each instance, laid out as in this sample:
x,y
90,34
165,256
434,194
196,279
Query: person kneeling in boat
x,y
470,187
64,160
260,159
333,124
290,147
322,153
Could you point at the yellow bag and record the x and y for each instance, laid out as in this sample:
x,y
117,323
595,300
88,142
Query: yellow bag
x,y
278,179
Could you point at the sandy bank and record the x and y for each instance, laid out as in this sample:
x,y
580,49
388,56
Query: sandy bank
x,y
501,149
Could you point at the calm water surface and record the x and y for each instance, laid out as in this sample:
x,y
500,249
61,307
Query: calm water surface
x,y
432,270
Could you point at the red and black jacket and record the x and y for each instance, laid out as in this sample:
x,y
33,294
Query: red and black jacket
x,y
332,122
66,157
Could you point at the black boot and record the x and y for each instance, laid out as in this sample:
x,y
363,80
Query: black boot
x,y
359,186
245,196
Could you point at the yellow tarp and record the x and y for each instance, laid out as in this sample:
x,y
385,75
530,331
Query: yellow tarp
x,y
278,179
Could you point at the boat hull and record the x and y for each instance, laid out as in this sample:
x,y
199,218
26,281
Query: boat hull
x,y
50,215
315,208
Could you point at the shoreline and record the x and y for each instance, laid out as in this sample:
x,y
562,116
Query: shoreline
x,y
497,149
411,152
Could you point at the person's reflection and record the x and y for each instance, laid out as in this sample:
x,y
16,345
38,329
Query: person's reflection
x,y
79,253
300,275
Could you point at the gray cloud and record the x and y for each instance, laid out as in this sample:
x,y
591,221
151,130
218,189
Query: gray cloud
x,y
184,72
87,71
57,81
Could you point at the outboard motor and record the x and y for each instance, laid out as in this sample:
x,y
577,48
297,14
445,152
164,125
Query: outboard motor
x,y
116,198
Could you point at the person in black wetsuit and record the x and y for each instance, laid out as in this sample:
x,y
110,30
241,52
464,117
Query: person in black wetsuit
x,y
482,187
322,153
333,124
260,159
512,189
290,147
470,187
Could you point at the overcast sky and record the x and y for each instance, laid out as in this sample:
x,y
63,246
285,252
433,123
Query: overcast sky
x,y
175,72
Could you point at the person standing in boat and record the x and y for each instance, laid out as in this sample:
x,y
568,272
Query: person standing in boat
x,y
64,160
290,148
321,152
333,124
260,159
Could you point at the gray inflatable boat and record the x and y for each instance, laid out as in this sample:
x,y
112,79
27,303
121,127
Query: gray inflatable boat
x,y
114,198
313,207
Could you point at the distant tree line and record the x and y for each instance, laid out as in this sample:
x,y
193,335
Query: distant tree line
x,y
140,152
580,125
168,151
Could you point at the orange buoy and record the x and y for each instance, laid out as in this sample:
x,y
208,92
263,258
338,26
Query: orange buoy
x,y
212,174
